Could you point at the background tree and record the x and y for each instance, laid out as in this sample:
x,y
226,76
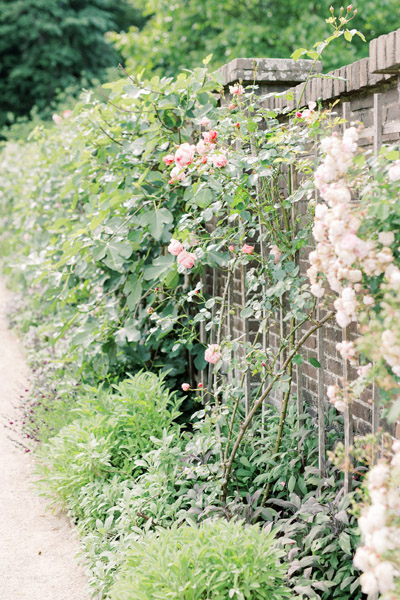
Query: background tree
x,y
183,32
49,45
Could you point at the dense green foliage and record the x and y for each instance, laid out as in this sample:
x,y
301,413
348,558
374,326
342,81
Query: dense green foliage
x,y
47,46
180,34
88,209
214,560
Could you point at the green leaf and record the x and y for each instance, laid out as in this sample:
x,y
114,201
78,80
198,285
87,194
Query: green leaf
x,y
171,280
314,362
133,289
117,253
348,36
156,221
204,197
159,268
297,53
297,359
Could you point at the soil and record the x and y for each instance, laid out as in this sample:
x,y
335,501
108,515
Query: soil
x,y
38,549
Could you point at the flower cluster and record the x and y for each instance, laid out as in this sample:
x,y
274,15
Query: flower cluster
x,y
202,153
379,557
340,253
184,258
308,114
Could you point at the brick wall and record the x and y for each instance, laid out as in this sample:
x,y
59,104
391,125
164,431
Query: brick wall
x,y
369,91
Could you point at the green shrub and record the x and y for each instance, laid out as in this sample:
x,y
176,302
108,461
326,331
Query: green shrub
x,y
110,432
217,559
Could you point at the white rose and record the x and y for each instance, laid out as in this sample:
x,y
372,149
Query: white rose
x,y
394,171
378,474
369,584
384,574
386,238
361,559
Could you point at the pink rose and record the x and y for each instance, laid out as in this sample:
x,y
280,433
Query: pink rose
x,y
175,247
232,106
186,259
205,122
213,354
210,136
248,249
236,89
67,114
232,248
219,160
185,387
202,148
150,310
276,253
168,159
57,119
177,174
185,154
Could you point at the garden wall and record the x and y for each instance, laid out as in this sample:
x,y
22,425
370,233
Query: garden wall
x,y
369,92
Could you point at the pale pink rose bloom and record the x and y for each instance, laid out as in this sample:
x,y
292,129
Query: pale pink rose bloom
x,y
346,349
276,253
210,136
317,290
394,171
369,584
219,160
185,154
26,237
232,248
354,275
386,238
202,148
236,89
320,211
186,259
361,559
57,119
331,392
175,247
247,249
185,387
312,105
378,475
384,573
205,121
67,114
213,354
177,174
342,319
168,159
363,370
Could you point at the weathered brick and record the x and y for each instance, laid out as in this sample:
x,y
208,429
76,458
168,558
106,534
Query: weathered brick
x,y
373,55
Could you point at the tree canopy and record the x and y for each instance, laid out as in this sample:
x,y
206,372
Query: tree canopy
x,y
49,45
181,33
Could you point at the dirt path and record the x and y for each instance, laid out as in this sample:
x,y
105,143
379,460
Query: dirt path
x,y
37,548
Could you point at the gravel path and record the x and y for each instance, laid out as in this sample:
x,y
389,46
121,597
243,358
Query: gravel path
x,y
37,548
